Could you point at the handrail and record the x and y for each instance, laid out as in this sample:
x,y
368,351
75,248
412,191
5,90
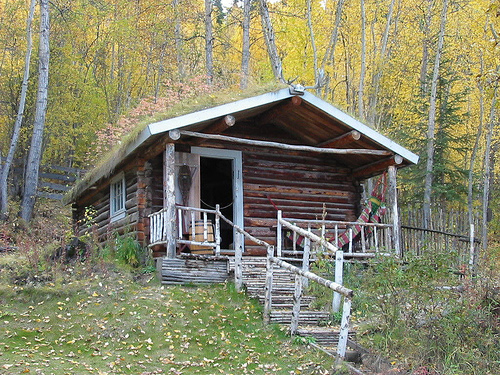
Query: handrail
x,y
346,292
336,222
299,275
321,240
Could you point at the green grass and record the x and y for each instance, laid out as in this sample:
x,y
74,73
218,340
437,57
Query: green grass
x,y
111,324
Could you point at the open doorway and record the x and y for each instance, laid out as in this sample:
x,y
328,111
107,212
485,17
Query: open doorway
x,y
216,177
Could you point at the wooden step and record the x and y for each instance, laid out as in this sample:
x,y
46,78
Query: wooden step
x,y
306,317
323,336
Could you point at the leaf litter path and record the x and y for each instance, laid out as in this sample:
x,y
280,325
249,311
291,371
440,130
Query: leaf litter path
x,y
111,325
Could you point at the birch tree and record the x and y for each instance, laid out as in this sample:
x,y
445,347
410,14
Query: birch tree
x,y
431,124
209,42
20,115
487,177
361,110
35,153
245,55
272,50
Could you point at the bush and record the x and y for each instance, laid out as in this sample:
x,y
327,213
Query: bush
x,y
422,311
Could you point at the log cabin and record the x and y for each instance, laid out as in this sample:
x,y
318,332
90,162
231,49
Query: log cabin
x,y
286,151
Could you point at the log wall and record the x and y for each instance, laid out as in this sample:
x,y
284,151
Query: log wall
x,y
303,186
102,229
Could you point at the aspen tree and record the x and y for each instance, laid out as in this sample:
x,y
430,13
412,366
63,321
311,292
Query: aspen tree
x,y
35,152
20,115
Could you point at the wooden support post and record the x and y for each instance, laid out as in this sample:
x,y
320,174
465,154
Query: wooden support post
x,y
394,210
472,252
297,296
339,279
169,198
238,261
279,239
306,257
344,330
217,230
269,285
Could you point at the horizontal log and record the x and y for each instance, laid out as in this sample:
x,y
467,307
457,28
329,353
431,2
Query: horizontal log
x,y
297,191
313,277
287,146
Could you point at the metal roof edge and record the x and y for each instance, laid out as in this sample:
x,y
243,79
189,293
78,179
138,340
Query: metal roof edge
x,y
218,111
359,126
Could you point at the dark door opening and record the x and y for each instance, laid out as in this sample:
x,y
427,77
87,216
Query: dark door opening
x,y
217,188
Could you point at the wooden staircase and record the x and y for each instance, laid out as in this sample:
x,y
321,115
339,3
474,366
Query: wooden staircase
x,y
312,323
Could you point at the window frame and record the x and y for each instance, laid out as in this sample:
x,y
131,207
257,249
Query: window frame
x,y
118,182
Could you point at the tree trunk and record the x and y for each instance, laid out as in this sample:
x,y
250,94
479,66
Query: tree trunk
x,y
470,186
425,49
20,115
431,125
268,31
361,89
35,153
245,56
488,158
329,56
317,74
178,41
379,67
209,42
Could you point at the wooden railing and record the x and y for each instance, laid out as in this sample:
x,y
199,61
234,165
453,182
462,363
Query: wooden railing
x,y
158,234
373,238
189,220
300,275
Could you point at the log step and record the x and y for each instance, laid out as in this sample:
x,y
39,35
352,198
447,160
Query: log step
x,y
324,336
306,317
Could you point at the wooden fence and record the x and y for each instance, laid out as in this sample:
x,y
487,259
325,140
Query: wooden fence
x,y
449,231
54,180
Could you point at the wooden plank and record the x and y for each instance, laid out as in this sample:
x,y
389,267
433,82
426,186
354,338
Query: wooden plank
x,y
53,186
53,196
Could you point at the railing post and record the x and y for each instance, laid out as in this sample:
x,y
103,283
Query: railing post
x,y
169,197
217,230
269,285
279,239
339,269
393,194
344,329
238,262
306,257
472,253
297,296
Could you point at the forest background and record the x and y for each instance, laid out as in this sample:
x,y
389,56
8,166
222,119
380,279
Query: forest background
x,y
423,72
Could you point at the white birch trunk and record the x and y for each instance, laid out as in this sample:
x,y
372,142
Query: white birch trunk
x,y
487,172
209,42
272,50
245,55
361,110
35,154
431,125
20,115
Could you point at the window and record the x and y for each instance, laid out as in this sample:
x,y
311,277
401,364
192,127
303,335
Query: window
x,y
117,198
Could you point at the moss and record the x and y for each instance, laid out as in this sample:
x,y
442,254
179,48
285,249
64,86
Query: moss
x,y
110,160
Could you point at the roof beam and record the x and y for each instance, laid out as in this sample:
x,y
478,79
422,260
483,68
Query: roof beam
x,y
338,151
277,110
342,140
373,168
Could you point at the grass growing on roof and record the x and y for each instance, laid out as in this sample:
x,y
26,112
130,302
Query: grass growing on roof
x,y
109,161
